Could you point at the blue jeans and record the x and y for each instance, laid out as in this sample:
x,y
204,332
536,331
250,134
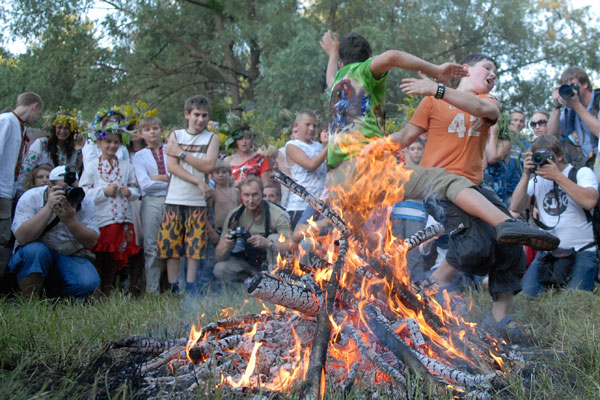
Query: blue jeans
x,y
78,274
582,276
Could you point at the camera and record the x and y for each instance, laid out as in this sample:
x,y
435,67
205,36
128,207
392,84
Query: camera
x,y
540,158
74,195
240,235
567,91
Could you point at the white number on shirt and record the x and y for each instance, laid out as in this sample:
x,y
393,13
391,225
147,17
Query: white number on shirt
x,y
458,125
473,130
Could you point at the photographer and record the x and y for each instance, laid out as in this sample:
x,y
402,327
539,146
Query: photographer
x,y
53,226
561,199
579,125
249,241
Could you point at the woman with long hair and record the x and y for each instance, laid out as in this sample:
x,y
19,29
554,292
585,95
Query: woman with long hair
x,y
58,148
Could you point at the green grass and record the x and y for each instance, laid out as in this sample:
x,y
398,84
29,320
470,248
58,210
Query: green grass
x,y
55,349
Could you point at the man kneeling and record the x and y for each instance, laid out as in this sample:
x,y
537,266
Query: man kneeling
x,y
250,239
54,225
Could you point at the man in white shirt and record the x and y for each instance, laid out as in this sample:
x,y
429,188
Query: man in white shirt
x,y
562,202
52,237
27,111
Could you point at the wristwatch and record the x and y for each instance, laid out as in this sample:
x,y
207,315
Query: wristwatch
x,y
182,155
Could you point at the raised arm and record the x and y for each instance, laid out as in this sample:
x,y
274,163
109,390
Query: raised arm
x,y
330,45
295,154
496,149
400,59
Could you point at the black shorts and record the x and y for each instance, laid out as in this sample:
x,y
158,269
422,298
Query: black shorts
x,y
472,246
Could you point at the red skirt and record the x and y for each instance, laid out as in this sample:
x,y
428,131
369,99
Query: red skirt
x,y
118,240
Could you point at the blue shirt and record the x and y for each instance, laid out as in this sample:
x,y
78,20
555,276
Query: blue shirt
x,y
570,121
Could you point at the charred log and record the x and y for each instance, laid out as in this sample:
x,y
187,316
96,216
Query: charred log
x,y
320,345
266,287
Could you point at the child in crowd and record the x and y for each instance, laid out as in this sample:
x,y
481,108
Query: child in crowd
x,y
191,156
306,161
38,177
408,216
111,182
150,166
227,196
271,193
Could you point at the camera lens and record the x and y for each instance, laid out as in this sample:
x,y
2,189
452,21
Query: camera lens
x,y
74,195
566,91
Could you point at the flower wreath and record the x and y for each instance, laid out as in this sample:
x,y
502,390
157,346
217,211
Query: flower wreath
x,y
115,126
136,112
235,128
71,118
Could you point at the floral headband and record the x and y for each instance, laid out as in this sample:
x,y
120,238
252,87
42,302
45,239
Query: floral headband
x,y
235,127
110,122
71,118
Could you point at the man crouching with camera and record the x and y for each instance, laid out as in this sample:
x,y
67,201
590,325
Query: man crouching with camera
x,y
562,195
250,239
54,226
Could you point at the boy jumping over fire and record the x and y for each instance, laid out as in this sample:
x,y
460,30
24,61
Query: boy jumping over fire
x,y
359,184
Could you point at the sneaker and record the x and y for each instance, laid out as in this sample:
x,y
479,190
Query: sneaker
x,y
505,329
520,232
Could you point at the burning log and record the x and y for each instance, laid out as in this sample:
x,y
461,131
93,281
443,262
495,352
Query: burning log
x,y
320,206
379,362
164,358
318,354
266,287
418,362
199,353
380,326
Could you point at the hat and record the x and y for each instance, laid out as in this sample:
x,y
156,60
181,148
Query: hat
x,y
58,173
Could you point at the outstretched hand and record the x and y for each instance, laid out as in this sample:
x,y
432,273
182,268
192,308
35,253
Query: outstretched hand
x,y
449,71
423,86
329,43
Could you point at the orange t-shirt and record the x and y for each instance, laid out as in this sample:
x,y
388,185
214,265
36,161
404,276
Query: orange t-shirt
x,y
455,139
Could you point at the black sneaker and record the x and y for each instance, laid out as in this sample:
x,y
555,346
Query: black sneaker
x,y
520,232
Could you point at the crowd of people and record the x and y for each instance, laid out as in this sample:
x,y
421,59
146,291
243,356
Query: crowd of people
x,y
86,203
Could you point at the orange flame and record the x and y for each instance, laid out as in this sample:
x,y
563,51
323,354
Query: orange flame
x,y
245,379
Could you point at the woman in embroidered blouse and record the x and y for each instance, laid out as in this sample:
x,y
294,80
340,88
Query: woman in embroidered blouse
x,y
245,161
56,149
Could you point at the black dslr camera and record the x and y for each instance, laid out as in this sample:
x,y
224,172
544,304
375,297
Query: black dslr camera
x,y
240,235
540,158
567,91
74,195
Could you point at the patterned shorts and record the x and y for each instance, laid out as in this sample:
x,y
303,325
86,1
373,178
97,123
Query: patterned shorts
x,y
183,232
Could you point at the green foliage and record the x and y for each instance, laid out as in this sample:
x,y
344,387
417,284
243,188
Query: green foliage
x,y
265,56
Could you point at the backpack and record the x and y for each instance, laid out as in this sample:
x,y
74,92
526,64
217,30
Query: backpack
x,y
592,215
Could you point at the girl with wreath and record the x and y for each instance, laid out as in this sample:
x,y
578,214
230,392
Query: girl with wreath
x,y
111,183
58,148
244,160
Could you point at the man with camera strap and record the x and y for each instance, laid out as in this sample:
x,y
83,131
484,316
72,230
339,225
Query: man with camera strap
x,y
578,126
54,226
250,239
562,203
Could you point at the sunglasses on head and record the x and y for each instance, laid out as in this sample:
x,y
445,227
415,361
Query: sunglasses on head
x,y
541,122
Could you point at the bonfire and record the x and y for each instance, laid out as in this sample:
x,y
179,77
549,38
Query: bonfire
x,y
349,316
